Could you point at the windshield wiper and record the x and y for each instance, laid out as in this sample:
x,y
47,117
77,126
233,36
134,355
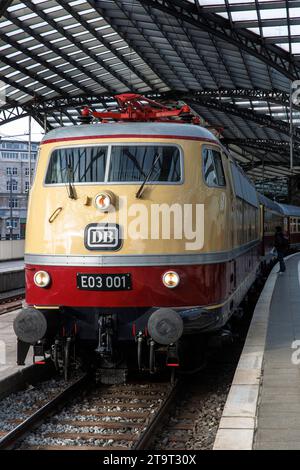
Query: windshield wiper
x,y
70,188
141,188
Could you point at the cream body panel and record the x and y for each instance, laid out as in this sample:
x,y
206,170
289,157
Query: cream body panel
x,y
65,235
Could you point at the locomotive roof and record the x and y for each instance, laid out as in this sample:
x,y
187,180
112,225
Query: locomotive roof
x,y
272,205
293,211
133,128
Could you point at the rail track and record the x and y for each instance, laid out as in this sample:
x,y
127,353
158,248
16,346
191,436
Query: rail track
x,y
11,300
117,417
86,416
39,412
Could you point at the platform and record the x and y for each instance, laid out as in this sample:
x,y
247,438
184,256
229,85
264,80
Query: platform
x,y
8,266
12,275
262,410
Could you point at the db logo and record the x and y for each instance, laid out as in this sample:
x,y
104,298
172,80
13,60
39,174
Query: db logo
x,y
102,237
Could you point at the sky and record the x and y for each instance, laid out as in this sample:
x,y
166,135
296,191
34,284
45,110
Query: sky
x,y
20,128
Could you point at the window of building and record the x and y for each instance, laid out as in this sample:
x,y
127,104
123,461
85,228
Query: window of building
x,y
26,186
11,171
14,184
12,145
14,203
213,167
10,155
13,223
27,171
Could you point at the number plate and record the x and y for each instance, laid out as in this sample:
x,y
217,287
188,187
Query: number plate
x,y
104,281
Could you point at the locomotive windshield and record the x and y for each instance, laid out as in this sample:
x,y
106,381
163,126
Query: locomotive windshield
x,y
133,163
80,164
116,163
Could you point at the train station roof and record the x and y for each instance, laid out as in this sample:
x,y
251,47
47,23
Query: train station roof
x,y
232,61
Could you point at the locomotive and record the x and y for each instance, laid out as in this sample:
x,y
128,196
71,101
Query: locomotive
x,y
143,236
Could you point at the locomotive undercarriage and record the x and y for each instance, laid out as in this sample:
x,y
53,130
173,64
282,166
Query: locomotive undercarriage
x,y
113,341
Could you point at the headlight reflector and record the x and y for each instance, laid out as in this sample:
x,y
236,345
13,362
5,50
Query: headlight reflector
x,y
103,201
42,279
171,279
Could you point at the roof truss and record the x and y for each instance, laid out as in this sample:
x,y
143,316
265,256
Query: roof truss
x,y
57,56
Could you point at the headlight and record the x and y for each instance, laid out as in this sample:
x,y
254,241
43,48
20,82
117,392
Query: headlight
x,y
103,201
42,279
171,279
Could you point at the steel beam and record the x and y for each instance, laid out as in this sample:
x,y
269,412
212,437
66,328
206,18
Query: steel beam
x,y
77,42
47,65
246,6
29,73
248,115
269,145
253,44
59,52
182,57
4,5
104,11
102,40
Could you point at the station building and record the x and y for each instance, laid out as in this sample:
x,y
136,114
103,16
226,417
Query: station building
x,y
14,186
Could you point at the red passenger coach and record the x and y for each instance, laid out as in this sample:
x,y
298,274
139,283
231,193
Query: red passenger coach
x,y
292,224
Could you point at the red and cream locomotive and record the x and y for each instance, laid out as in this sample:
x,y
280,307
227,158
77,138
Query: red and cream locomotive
x,y
143,235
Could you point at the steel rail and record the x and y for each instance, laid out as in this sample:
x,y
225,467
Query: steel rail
x,y
148,435
7,442
10,301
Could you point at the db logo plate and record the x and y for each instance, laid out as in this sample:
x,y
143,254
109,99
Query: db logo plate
x,y
102,237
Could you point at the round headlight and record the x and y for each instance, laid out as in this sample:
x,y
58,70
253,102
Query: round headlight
x,y
103,201
171,279
41,279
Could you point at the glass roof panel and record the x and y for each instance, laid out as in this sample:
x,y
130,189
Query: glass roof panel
x,y
296,48
294,12
274,31
244,15
259,14
210,2
273,14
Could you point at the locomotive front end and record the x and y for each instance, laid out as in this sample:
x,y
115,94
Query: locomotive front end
x,y
126,234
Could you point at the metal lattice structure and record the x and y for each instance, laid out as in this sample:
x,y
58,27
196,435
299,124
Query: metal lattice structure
x,y
232,62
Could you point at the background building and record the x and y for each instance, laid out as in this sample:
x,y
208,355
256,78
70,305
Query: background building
x,y
14,186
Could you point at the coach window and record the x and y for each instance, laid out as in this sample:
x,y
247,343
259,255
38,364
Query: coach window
x,y
213,171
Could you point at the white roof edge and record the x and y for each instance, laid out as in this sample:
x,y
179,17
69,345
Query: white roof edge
x,y
143,128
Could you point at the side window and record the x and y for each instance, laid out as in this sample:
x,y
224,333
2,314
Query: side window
x,y
219,168
213,171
